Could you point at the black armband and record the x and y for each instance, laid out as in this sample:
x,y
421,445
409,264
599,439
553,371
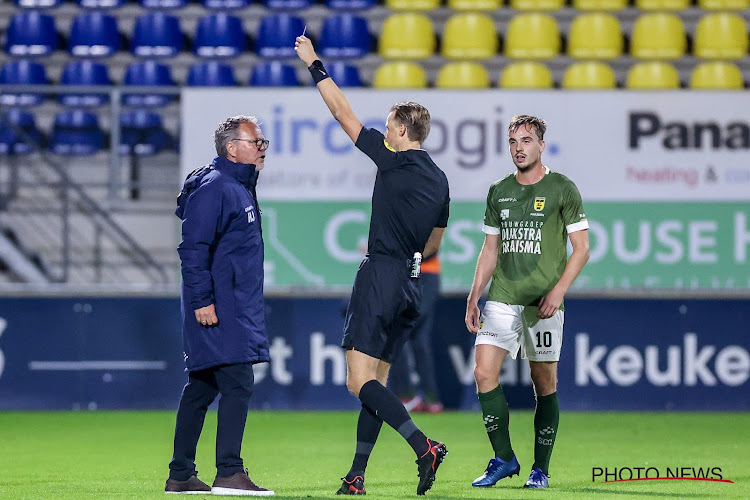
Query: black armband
x,y
318,72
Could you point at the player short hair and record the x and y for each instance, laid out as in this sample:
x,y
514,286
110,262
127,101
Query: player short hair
x,y
228,130
415,117
540,126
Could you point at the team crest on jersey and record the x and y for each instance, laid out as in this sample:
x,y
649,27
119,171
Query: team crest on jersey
x,y
504,213
539,203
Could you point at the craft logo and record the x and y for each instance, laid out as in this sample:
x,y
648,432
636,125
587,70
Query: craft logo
x,y
622,474
539,203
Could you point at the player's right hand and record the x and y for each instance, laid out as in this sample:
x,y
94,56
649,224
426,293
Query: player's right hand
x,y
472,318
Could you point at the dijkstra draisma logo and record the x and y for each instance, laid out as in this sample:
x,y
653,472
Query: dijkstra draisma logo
x,y
669,473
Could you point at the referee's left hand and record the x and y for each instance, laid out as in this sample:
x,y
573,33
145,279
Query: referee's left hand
x,y
304,48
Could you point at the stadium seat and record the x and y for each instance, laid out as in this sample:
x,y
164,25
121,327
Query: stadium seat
x,y
469,35
37,4
101,4
658,36
344,35
599,5
536,5
652,75
13,143
142,133
595,36
147,73
84,72
276,35
273,74
31,34
22,72
220,35
76,132
211,74
532,36
345,75
290,5
716,75
157,35
589,76
400,75
721,36
462,75
662,5
94,34
162,4
412,5
237,4
407,36
725,5
526,75
350,4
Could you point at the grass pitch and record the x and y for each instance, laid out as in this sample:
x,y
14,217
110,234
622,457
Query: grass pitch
x,y
73,455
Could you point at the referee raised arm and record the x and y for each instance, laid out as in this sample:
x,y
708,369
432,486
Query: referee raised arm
x,y
409,214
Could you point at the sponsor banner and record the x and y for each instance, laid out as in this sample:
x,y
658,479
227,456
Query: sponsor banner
x,y
79,353
622,146
671,246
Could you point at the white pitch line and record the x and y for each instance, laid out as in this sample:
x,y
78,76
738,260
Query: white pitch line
x,y
76,366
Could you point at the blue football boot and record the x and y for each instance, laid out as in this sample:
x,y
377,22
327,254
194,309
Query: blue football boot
x,y
496,470
537,479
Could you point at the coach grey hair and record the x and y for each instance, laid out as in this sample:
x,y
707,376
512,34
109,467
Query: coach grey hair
x,y
415,117
540,126
228,131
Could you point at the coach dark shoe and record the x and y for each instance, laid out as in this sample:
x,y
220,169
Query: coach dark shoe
x,y
496,470
238,484
427,465
192,486
355,486
537,479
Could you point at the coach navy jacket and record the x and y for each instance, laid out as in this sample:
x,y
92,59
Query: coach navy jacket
x,y
222,264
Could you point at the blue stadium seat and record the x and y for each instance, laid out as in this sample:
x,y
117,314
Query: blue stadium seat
x,y
345,35
351,4
31,34
211,74
225,4
76,132
38,4
345,75
287,4
22,72
147,73
84,72
276,35
142,133
94,34
101,4
163,4
273,74
11,142
220,35
156,35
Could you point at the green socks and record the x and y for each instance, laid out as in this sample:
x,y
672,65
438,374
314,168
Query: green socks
x,y
546,420
496,419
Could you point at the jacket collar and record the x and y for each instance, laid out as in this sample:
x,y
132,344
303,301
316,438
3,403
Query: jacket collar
x,y
243,172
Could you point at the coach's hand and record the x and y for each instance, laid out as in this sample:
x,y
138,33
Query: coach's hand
x,y
472,317
206,316
304,48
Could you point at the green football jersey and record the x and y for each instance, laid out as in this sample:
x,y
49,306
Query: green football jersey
x,y
533,223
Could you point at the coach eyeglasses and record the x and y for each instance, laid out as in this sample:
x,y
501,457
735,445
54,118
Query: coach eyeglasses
x,y
259,143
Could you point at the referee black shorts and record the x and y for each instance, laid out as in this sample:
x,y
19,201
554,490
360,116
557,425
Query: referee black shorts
x,y
383,308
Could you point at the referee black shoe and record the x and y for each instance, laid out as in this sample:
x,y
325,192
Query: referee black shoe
x,y
354,486
428,464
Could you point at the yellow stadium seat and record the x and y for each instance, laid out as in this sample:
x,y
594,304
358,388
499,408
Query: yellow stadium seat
x,y
462,75
599,5
469,35
526,75
653,75
528,5
532,36
400,75
474,5
716,76
589,75
724,4
658,36
595,36
407,36
412,5
662,5
721,36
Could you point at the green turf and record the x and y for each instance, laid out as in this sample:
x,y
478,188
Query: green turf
x,y
75,455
